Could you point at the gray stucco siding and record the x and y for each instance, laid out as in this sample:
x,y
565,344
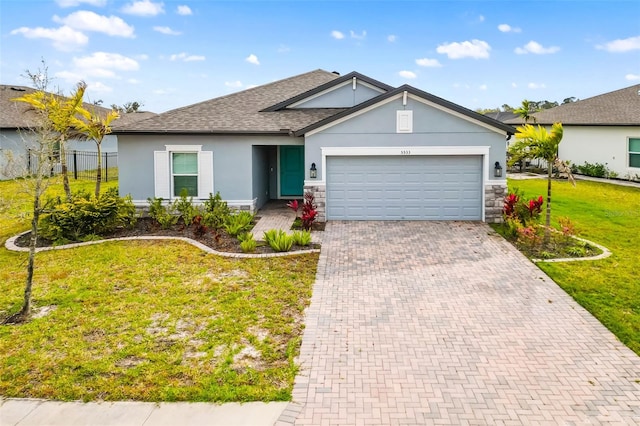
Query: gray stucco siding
x,y
431,127
341,97
233,162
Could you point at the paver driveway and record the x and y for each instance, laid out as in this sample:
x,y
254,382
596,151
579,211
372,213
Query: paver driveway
x,y
445,323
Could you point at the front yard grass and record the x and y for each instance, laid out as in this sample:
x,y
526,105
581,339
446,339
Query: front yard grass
x,y
149,321
610,215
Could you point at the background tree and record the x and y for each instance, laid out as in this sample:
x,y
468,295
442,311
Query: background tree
x,y
537,143
42,139
60,115
525,110
127,108
95,127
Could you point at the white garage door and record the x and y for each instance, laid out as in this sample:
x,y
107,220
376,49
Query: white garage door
x,y
404,188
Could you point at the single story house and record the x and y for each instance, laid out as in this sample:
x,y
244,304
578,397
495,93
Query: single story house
x,y
603,129
17,118
366,150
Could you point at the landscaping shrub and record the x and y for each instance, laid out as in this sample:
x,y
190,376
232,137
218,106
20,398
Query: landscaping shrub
x,y
184,205
301,238
86,216
595,170
165,215
247,243
238,223
216,211
270,235
279,240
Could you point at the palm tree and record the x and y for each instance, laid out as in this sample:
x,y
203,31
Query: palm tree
x,y
61,113
536,142
526,109
95,127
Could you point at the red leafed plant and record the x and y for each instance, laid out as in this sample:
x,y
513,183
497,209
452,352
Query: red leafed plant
x,y
510,202
535,206
309,212
294,205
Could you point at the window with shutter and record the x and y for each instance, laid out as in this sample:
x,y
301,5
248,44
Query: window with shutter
x,y
183,168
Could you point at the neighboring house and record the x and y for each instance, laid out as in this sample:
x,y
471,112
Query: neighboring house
x,y
366,150
602,129
17,119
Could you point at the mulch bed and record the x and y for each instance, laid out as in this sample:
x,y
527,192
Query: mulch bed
x,y
145,226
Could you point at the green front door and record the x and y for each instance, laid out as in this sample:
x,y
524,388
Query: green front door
x,y
291,170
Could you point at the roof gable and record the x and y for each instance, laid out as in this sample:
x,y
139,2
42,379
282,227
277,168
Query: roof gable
x,y
428,98
618,108
329,86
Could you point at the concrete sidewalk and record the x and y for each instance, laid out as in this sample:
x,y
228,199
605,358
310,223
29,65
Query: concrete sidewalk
x,y
37,412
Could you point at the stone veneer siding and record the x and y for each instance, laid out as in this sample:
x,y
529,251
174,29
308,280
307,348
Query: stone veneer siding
x,y
320,194
493,196
494,202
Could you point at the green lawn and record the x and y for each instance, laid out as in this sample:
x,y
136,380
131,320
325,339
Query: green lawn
x,y
610,215
149,321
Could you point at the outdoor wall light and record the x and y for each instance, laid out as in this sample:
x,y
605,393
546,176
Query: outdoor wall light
x,y
497,170
313,172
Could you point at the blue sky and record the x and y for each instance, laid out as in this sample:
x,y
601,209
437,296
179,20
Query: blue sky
x,y
168,54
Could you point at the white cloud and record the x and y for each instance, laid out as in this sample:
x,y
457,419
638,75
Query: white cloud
x,y
535,48
621,45
184,10
233,84
100,63
142,57
89,21
166,30
506,28
69,76
143,8
391,38
337,35
407,74
481,18
429,63
133,81
357,36
536,85
483,87
98,87
283,48
476,49
73,3
632,77
252,59
64,38
514,85
183,56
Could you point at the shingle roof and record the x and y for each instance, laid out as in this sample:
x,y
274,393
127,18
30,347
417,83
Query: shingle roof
x,y
617,108
240,112
19,115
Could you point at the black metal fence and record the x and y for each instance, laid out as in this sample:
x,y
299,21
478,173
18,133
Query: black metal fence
x,y
83,165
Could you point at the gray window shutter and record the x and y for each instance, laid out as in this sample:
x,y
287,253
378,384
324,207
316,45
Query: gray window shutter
x,y
205,174
162,174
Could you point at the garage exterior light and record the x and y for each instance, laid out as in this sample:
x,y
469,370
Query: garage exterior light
x,y
497,170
